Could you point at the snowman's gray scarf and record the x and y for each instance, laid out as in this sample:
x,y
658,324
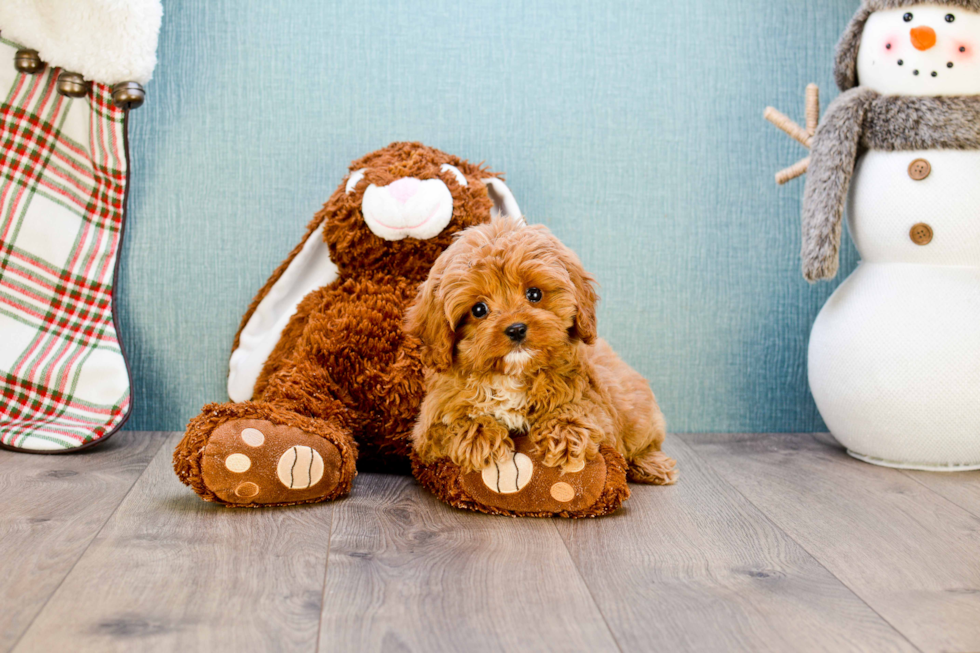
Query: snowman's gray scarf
x,y
859,120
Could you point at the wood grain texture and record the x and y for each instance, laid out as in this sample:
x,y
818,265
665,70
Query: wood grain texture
x,y
408,573
962,488
909,553
169,572
696,567
768,543
51,507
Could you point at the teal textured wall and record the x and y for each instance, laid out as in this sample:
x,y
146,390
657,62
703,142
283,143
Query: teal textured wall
x,y
632,128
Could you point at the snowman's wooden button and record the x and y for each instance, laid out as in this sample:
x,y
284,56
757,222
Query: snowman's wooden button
x,y
919,170
921,234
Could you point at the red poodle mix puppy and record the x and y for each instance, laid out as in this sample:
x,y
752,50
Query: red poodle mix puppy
x,y
508,327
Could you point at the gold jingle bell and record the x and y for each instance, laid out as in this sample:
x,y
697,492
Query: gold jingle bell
x,y
72,84
28,61
128,95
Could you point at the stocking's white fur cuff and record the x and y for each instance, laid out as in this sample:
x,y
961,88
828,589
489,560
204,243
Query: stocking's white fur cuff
x,y
107,41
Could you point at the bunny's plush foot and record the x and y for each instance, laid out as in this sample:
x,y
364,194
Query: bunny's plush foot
x,y
521,485
253,454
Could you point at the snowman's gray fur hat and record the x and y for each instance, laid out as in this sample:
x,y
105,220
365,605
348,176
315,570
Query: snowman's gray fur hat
x,y
845,68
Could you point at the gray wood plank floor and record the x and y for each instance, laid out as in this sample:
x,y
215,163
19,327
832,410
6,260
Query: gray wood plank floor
x,y
51,507
768,543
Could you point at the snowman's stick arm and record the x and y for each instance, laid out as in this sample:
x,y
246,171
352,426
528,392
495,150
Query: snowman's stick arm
x,y
798,169
812,108
782,121
804,136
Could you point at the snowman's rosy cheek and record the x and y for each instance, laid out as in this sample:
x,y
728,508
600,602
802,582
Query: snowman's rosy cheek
x,y
963,51
891,44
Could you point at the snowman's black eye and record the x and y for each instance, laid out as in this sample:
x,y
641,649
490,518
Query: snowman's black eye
x,y
950,18
480,310
533,295
907,18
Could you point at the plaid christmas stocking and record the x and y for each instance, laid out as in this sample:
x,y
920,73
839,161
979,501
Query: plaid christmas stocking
x,y
64,380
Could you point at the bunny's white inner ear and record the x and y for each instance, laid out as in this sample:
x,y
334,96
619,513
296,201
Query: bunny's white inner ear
x,y
454,171
503,200
309,270
353,179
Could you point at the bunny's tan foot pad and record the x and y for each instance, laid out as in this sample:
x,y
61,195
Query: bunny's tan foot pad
x,y
523,486
257,462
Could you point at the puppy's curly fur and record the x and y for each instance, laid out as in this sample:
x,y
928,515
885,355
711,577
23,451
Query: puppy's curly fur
x,y
559,384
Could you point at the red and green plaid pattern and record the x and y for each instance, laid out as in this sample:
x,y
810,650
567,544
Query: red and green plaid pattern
x,y
63,379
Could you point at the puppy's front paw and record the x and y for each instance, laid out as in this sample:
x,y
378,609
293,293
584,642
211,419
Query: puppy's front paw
x,y
566,444
566,460
478,444
476,455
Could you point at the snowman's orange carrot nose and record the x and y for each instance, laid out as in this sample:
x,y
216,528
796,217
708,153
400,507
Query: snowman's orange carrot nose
x,y
923,37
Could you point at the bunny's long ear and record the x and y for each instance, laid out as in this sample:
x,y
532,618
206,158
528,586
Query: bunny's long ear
x,y
828,179
503,200
307,268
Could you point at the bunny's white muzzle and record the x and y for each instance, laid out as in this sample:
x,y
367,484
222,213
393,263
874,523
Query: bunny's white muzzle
x,y
408,208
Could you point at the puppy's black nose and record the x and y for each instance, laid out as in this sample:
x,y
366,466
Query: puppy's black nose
x,y
516,332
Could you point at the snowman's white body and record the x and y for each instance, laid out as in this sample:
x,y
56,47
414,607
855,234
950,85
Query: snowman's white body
x,y
894,356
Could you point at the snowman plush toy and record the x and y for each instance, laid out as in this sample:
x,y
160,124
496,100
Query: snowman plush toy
x,y
894,355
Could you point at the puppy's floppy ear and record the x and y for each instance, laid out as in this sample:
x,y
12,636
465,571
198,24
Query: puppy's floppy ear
x,y
426,320
584,328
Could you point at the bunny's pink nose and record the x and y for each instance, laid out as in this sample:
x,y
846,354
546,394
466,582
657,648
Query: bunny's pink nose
x,y
404,189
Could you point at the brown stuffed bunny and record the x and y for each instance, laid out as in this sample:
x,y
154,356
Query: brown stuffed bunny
x,y
321,373
323,378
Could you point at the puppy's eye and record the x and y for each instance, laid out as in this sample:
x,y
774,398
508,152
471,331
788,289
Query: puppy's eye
x,y
950,18
907,18
533,295
480,310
